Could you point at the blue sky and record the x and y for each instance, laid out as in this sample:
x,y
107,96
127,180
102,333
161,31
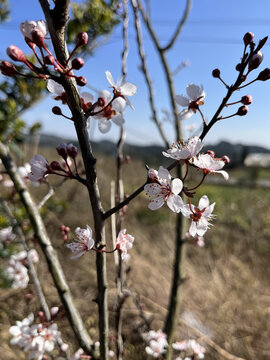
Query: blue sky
x,y
212,37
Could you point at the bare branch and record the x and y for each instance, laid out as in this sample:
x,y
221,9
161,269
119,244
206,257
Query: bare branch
x,y
146,74
179,27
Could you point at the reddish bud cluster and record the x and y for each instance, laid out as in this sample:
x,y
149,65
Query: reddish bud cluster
x,y
77,63
82,39
64,231
81,81
248,38
8,69
15,53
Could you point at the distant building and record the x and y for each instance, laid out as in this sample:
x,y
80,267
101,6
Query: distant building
x,y
257,160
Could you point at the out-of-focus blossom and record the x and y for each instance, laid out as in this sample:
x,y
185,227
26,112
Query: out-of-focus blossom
x,y
125,89
124,242
165,190
184,150
7,234
22,255
200,216
21,331
18,274
191,103
210,165
24,170
82,243
156,348
39,168
191,348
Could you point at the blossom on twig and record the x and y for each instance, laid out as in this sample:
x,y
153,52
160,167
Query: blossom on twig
x,y
27,28
165,190
125,89
200,216
210,165
124,243
184,150
39,168
191,103
82,243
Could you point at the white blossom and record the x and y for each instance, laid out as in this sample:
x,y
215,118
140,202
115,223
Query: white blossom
x,y
22,255
113,112
210,165
165,190
21,331
82,243
39,168
191,348
27,27
7,234
18,274
191,103
124,242
199,215
184,150
125,89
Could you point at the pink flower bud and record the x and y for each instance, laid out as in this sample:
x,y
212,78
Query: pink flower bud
x,y
246,100
242,111
248,38
77,63
49,60
54,310
82,39
67,229
216,73
62,150
72,151
41,316
81,81
15,53
7,68
62,227
55,165
264,75
56,110
226,159
211,153
255,61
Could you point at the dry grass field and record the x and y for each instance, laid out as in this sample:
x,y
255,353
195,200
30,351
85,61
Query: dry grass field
x,y
226,293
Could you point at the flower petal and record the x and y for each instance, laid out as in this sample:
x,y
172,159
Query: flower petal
x,y
204,202
118,119
164,176
54,87
195,91
185,114
224,173
182,100
156,203
110,78
193,228
175,203
152,189
176,186
128,89
104,125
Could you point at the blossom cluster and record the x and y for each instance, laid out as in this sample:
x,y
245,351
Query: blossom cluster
x,y
37,339
184,350
163,189
17,270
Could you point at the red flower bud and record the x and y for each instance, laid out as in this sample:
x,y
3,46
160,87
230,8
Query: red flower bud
x,y
226,159
242,111
7,68
211,153
238,67
248,38
62,227
101,102
56,110
49,60
216,73
246,100
72,151
81,81
77,63
15,53
82,39
62,150
264,75
255,61
55,165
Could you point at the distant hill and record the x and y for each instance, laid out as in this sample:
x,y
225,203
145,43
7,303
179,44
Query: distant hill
x,y
152,154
